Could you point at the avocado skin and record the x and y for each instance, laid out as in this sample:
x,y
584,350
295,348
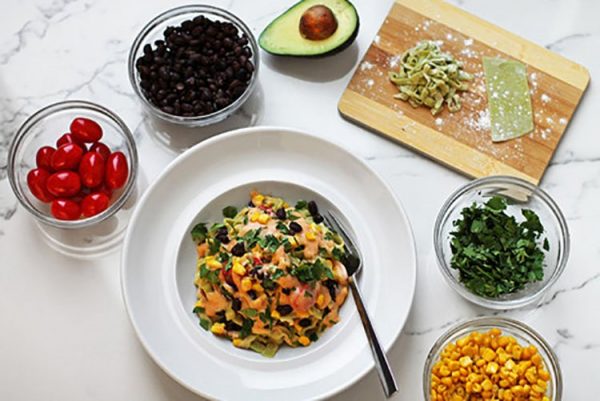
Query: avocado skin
x,y
331,52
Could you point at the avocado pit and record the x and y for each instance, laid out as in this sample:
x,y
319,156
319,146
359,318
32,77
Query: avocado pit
x,y
318,23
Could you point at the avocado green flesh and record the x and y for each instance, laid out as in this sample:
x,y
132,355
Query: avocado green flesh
x,y
282,36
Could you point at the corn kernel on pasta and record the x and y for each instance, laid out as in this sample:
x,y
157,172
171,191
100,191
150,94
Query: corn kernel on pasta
x,y
269,274
489,366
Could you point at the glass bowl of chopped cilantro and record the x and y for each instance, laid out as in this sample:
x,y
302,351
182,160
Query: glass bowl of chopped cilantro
x,y
501,242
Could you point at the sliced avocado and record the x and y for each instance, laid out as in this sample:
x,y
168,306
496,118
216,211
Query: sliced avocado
x,y
288,34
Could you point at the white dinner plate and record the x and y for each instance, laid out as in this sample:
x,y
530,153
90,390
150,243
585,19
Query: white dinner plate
x,y
159,263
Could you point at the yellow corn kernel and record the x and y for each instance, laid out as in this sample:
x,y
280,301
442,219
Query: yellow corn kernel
x,y
199,304
444,371
538,389
491,368
238,269
304,340
218,328
254,217
321,301
543,374
257,287
487,385
237,342
465,361
275,315
447,381
536,359
258,199
454,365
246,284
293,242
488,354
516,352
264,218
268,201
310,236
212,263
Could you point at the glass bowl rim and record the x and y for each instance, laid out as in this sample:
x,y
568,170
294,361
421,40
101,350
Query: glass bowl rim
x,y
474,185
505,324
140,41
47,111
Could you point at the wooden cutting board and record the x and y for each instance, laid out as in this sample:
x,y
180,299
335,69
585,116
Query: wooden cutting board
x,y
462,140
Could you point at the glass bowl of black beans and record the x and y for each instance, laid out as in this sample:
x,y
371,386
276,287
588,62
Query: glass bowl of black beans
x,y
194,65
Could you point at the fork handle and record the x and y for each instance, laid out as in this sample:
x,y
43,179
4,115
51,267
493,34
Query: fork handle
x,y
386,377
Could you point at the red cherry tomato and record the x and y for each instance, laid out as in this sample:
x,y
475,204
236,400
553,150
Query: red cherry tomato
x,y
86,130
101,148
117,170
36,181
67,157
65,209
94,203
91,169
69,138
43,157
105,190
64,183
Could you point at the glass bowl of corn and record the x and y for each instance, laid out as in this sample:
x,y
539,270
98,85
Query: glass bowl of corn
x,y
491,358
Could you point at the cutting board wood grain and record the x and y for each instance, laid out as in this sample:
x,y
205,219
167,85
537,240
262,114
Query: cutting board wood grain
x,y
462,140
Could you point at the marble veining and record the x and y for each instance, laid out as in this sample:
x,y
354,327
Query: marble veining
x,y
64,319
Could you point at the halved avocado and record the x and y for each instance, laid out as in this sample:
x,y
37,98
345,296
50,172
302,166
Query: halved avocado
x,y
312,28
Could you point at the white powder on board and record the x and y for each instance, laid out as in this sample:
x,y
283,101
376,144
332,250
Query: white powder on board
x,y
370,83
480,121
468,42
394,61
563,121
366,65
545,98
376,39
439,122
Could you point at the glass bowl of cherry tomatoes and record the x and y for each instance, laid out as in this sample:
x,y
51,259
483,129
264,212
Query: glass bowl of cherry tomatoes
x,y
73,167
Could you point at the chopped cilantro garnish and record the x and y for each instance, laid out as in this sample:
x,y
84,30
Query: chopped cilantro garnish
x,y
301,204
246,328
230,212
199,233
198,309
205,323
249,312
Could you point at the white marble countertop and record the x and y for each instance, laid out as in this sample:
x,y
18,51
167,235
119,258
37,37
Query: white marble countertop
x,y
65,334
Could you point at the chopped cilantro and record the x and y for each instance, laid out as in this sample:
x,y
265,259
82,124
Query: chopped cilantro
x,y
205,324
494,253
198,309
249,312
301,204
246,328
199,233
230,212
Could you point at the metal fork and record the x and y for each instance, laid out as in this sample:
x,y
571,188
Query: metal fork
x,y
353,263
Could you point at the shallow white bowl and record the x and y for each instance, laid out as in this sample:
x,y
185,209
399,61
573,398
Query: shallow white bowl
x,y
158,263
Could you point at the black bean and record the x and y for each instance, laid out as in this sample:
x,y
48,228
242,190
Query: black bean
x,y
280,213
295,227
232,326
305,322
286,291
238,249
236,304
284,310
317,218
252,294
223,238
312,208
332,287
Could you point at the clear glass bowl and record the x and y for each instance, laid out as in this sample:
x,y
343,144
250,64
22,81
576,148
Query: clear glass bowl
x,y
520,194
524,334
153,31
87,237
